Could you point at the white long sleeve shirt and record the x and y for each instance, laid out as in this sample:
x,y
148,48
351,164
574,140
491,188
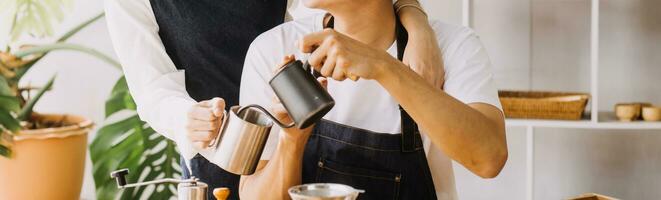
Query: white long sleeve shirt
x,y
156,85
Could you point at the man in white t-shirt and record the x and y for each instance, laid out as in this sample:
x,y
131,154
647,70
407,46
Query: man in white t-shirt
x,y
361,142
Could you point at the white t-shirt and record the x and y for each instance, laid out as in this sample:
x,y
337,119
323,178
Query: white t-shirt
x,y
365,104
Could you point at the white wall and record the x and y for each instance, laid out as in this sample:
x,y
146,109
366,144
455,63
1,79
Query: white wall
x,y
624,164
544,45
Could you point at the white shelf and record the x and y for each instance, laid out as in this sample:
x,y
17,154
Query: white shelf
x,y
606,121
584,124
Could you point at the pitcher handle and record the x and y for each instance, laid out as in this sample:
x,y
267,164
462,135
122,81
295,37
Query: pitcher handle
x,y
216,140
267,113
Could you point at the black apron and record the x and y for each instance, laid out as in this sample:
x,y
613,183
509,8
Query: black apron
x,y
385,165
210,39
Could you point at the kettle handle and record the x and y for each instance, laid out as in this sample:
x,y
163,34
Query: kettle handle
x,y
267,113
216,141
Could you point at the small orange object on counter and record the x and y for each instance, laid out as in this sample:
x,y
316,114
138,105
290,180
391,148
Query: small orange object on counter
x,y
221,193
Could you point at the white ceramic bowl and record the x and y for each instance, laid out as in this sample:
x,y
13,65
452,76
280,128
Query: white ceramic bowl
x,y
323,191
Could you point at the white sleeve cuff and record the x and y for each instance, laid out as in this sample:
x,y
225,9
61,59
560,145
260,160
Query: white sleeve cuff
x,y
186,148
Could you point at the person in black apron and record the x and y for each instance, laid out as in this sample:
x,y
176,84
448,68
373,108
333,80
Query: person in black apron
x,y
385,165
208,39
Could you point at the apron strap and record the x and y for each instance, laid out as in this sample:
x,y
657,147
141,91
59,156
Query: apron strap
x,y
409,127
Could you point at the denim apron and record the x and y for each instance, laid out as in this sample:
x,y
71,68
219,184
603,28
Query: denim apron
x,y
385,165
210,39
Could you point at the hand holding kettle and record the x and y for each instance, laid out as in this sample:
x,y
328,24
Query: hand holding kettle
x,y
338,56
280,112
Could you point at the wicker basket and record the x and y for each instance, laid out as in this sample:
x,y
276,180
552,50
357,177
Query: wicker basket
x,y
543,105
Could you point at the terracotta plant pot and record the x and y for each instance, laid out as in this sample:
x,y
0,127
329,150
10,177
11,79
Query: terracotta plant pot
x,y
46,163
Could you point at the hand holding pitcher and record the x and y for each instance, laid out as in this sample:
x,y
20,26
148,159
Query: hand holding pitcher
x,y
280,112
204,121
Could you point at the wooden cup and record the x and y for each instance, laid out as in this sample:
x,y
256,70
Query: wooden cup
x,y
652,114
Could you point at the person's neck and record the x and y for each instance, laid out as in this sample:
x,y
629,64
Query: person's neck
x,y
372,24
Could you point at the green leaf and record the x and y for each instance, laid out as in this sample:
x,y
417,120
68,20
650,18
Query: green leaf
x,y
80,26
9,103
121,86
57,13
8,121
26,112
20,72
5,151
4,87
130,143
114,144
120,98
135,151
110,135
44,18
19,27
64,46
35,17
118,102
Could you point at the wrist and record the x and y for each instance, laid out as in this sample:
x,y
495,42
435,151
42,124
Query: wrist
x,y
295,137
388,70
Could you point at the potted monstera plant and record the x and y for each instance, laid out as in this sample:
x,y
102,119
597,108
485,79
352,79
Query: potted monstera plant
x,y
42,156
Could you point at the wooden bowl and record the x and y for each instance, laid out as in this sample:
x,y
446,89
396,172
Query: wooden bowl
x,y
627,112
652,114
642,105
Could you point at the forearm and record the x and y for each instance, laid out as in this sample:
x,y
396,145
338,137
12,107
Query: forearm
x,y
422,51
280,173
414,20
462,132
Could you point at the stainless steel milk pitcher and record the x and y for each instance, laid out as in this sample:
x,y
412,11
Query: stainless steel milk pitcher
x,y
242,138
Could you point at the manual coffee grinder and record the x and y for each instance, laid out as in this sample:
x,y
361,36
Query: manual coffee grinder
x,y
187,189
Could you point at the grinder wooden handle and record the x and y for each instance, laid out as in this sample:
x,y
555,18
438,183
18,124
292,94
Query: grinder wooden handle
x,y
221,193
